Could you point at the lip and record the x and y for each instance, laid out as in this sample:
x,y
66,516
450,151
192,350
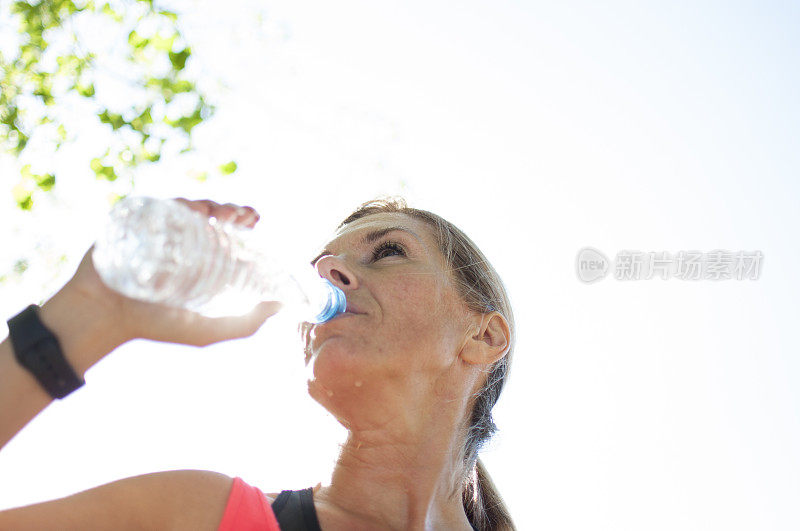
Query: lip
x,y
352,309
338,317
345,314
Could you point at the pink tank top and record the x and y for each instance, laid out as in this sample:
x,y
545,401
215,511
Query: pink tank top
x,y
248,509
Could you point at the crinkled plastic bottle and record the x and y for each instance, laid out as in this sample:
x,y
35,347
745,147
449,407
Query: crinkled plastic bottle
x,y
161,251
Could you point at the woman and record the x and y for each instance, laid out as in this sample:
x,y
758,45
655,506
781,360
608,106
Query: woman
x,y
412,370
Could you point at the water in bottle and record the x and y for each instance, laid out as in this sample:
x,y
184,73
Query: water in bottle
x,y
162,251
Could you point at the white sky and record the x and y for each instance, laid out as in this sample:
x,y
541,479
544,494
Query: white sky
x,y
538,128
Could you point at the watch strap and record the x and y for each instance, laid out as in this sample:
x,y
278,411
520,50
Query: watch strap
x,y
38,350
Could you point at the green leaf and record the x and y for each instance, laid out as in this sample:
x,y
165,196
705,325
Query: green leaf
x,y
68,64
178,59
163,44
141,122
87,91
45,182
114,120
22,141
136,41
107,173
169,86
109,11
115,198
169,14
26,203
181,85
21,8
9,115
70,7
103,172
44,86
29,55
228,168
20,266
187,123
22,196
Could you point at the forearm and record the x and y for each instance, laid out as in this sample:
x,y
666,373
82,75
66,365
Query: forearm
x,y
85,335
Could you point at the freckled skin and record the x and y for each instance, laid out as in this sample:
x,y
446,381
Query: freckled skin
x,y
408,334
398,374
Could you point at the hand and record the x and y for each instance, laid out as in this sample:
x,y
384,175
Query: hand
x,y
129,318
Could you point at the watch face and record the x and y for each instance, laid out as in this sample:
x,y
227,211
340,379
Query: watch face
x,y
38,350
46,361
46,347
43,355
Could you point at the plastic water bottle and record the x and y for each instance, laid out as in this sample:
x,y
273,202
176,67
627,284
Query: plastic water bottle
x,y
162,251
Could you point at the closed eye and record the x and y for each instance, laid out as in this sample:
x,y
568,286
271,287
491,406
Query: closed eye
x,y
387,248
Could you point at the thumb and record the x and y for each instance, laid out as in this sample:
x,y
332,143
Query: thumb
x,y
239,326
266,309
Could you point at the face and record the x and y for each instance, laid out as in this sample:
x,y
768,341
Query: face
x,y
398,343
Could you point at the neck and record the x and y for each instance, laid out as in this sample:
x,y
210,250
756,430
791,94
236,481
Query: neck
x,y
388,483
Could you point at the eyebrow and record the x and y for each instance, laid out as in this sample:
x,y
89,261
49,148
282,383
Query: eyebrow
x,y
372,237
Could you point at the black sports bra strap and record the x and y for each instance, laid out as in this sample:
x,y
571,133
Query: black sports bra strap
x,y
280,502
309,511
294,510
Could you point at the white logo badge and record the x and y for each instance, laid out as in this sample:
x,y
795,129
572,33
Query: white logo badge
x,y
591,265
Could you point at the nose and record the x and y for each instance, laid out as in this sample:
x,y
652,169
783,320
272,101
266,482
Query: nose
x,y
334,269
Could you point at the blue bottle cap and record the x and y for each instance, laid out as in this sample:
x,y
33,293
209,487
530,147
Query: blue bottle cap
x,y
336,304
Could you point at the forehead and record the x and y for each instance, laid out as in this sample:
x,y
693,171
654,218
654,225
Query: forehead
x,y
424,246
384,220
354,233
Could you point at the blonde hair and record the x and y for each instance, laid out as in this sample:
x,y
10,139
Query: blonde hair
x,y
483,291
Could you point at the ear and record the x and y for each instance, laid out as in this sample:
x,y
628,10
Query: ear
x,y
490,342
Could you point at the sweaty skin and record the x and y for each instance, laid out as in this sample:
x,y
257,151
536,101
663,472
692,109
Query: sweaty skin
x,y
398,371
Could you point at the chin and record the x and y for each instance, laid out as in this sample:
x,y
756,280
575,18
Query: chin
x,y
335,403
335,357
338,378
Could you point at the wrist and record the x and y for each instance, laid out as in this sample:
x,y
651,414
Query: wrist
x,y
87,327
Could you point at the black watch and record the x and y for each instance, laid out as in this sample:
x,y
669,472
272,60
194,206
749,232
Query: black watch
x,y
38,350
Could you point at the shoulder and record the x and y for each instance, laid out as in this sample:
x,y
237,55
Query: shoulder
x,y
192,499
176,499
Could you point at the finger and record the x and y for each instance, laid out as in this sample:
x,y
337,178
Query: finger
x,y
240,215
227,213
247,216
223,328
203,206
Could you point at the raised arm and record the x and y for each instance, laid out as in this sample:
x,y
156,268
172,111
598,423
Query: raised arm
x,y
86,331
191,500
90,321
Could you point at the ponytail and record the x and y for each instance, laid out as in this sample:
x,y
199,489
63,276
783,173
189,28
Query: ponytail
x,y
485,508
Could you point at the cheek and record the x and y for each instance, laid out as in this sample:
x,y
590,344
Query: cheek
x,y
416,313
411,301
414,324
